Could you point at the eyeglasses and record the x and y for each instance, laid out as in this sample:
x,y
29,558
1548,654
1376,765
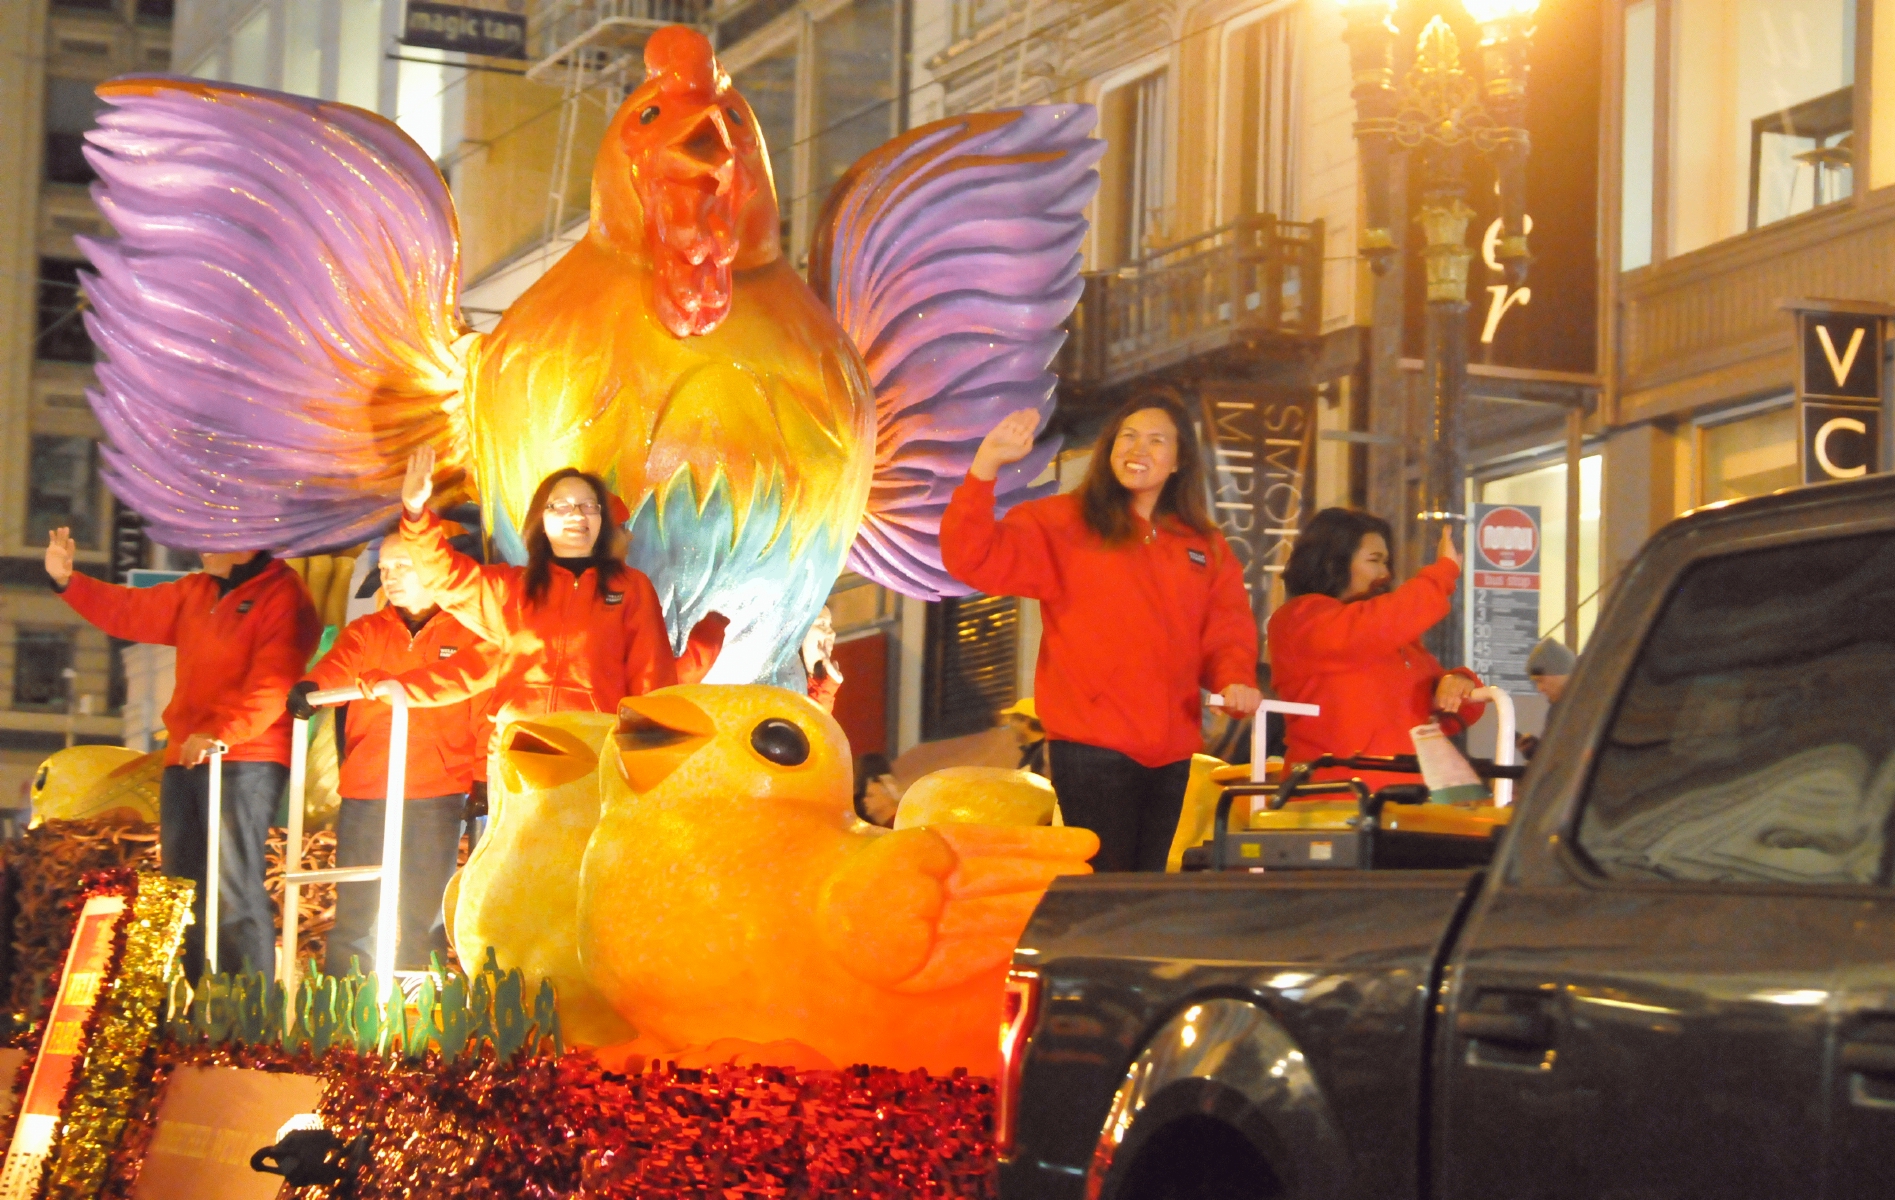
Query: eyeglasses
x,y
566,508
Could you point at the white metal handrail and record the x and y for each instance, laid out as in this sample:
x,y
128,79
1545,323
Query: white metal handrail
x,y
388,908
1503,737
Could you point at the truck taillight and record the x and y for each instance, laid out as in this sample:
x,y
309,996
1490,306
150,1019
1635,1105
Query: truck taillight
x,y
1020,1014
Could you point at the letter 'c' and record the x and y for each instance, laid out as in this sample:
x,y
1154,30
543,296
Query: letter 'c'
x,y
1821,445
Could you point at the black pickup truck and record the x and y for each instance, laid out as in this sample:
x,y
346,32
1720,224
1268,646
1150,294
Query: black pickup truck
x,y
1675,978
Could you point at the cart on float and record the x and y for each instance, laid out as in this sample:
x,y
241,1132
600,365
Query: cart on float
x,y
1341,825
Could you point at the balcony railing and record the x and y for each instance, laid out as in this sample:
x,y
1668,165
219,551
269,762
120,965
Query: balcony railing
x,y
1250,285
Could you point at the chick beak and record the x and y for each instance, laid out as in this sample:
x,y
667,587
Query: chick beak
x,y
656,734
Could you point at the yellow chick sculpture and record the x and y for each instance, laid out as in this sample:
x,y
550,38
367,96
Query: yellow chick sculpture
x,y
729,895
97,783
519,891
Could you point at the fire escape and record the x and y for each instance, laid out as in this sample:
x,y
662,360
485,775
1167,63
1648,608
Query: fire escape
x,y
593,51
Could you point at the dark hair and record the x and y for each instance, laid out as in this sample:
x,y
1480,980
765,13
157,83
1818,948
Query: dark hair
x,y
608,549
1319,562
1107,503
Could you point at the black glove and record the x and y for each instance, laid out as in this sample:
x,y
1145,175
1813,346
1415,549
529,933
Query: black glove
x,y
298,702
476,801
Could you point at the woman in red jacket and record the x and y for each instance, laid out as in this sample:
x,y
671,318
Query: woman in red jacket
x,y
1143,605
577,628
1347,642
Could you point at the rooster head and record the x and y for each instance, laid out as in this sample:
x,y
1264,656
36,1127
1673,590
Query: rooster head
x,y
683,182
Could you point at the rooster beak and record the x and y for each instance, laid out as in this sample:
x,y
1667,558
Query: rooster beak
x,y
706,141
656,734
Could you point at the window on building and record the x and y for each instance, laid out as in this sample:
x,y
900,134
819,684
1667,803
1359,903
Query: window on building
x,y
1546,487
163,10
71,108
1750,456
250,50
41,658
1739,752
61,335
359,55
1761,116
1131,205
972,16
770,86
302,49
1259,96
1636,141
969,670
62,488
856,105
104,6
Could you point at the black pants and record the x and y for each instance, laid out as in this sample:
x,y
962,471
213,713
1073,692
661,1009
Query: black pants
x,y
430,843
246,920
1134,809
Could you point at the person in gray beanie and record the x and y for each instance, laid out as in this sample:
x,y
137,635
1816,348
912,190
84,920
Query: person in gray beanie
x,y
1549,666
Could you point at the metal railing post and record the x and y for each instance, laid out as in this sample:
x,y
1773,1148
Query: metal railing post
x,y
214,836
1503,737
388,914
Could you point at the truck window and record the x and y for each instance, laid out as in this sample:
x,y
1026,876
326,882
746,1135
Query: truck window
x,y
1755,739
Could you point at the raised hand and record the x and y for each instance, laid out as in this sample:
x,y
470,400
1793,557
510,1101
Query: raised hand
x,y
1008,442
1447,550
418,484
59,551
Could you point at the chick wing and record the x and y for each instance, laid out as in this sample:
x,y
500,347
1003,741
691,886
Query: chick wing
x,y
918,910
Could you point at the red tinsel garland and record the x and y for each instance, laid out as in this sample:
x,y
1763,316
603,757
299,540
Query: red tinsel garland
x,y
558,1127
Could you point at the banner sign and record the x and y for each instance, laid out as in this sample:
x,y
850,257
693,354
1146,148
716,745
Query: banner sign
x,y
1839,394
79,989
1260,441
465,28
210,1121
1503,562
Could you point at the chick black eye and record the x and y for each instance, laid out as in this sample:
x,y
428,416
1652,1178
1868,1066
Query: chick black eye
x,y
781,742
648,115
736,117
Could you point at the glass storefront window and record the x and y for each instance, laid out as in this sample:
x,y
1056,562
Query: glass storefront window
x,y
249,51
1751,456
1546,487
1761,113
62,488
770,86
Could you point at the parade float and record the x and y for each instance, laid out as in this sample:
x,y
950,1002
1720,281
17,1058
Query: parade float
x,y
683,967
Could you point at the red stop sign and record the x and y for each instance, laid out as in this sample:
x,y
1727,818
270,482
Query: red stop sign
x,y
1507,539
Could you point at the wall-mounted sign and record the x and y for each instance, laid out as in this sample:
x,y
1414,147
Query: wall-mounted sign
x,y
468,28
1261,441
1839,388
1503,613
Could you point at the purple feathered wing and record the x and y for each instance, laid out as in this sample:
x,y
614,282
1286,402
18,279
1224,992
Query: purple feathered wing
x,y
951,257
278,314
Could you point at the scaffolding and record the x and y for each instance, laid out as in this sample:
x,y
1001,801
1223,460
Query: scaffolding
x,y
593,51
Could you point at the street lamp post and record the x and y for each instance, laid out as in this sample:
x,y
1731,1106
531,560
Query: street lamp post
x,y
1438,114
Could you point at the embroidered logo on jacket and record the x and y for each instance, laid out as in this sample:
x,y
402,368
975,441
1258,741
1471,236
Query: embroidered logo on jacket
x,y
614,597
244,607
449,651
1197,557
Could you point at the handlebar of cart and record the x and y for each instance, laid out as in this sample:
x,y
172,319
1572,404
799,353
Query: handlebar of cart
x,y
389,907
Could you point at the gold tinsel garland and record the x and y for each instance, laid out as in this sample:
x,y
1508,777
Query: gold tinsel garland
x,y
105,1085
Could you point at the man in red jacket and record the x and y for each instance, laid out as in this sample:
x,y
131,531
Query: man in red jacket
x,y
445,746
244,628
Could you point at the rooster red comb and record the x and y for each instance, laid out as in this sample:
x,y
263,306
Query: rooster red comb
x,y
681,60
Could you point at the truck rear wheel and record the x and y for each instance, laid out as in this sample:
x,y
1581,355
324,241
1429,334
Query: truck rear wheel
x,y
1199,1158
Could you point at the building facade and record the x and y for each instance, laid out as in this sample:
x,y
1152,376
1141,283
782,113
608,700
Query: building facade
x,y
1749,158
59,679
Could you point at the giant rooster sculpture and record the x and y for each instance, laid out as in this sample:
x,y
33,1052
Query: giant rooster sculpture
x,y
280,325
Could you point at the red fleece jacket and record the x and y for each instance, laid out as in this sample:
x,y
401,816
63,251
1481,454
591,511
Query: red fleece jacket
x,y
1132,631
238,654
1364,664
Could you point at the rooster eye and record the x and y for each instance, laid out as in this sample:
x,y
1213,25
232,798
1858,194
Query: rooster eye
x,y
736,117
648,116
781,742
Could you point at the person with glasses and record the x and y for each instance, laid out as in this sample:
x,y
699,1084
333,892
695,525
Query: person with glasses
x,y
578,629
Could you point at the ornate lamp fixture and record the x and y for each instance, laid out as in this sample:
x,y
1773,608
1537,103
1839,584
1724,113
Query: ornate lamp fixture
x,y
1437,115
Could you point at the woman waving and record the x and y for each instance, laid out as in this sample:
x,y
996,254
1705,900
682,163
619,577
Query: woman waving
x,y
1143,605
577,629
